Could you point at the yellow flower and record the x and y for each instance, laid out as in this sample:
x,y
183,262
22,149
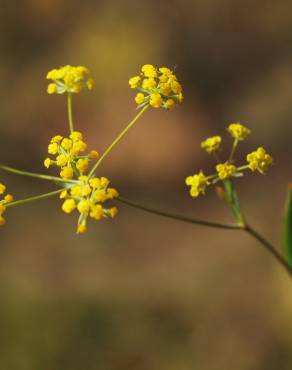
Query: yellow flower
x,y
238,131
82,164
83,206
225,170
259,160
69,79
198,184
139,99
2,188
67,173
81,229
47,162
134,82
69,205
158,87
93,154
62,160
211,144
156,100
53,148
8,198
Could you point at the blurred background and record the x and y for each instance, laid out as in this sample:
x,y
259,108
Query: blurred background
x,y
142,292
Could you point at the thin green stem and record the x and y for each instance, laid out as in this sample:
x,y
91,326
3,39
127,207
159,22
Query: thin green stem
x,y
269,247
178,217
36,175
34,198
234,146
117,139
70,112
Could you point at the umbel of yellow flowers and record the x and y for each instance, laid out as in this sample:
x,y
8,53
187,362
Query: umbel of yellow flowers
x,y
8,198
157,87
68,152
69,79
258,160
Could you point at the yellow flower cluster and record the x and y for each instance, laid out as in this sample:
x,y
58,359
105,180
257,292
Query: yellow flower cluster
x,y
238,131
225,170
198,183
157,87
68,155
211,144
88,197
8,198
259,160
69,79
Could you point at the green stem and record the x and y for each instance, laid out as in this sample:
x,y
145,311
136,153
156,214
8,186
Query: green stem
x,y
33,199
36,175
269,247
247,228
178,217
70,112
117,139
234,146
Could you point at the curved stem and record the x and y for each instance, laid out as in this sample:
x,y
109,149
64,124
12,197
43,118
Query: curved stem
x,y
178,217
117,139
36,175
70,112
269,247
34,198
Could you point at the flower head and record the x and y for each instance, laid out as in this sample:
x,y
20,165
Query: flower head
x,y
68,152
69,79
198,183
211,144
259,160
157,87
225,170
88,198
238,131
8,198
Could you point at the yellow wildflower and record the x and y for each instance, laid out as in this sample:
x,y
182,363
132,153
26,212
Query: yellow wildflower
x,y
69,79
67,173
225,170
198,184
156,100
211,144
140,98
69,205
134,82
259,160
8,198
238,131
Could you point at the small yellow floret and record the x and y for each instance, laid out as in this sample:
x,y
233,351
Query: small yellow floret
x,y
8,198
139,99
81,229
225,170
67,173
47,162
259,160
53,148
82,164
134,82
93,154
211,144
52,88
2,188
69,205
2,220
238,131
198,184
156,100
83,206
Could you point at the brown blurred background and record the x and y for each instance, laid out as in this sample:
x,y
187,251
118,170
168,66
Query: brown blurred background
x,y
142,292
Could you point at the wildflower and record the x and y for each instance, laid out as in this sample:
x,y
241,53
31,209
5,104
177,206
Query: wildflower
x,y
198,183
8,198
225,170
259,160
69,79
88,197
211,144
238,131
67,151
157,87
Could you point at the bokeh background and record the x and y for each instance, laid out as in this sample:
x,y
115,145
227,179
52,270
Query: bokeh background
x,y
142,292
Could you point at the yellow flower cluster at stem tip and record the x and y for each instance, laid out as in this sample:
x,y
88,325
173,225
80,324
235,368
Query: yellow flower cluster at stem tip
x,y
238,131
225,170
8,198
259,160
198,183
211,144
157,87
69,79
67,151
88,198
